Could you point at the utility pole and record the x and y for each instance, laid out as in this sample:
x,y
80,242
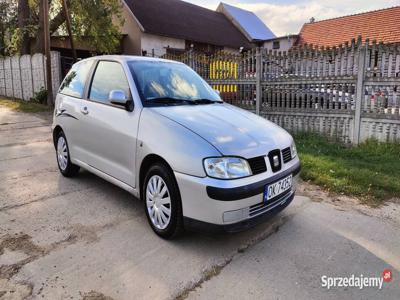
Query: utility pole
x,y
23,19
68,21
2,39
46,29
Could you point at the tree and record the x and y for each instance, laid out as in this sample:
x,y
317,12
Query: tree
x,y
95,22
100,27
8,24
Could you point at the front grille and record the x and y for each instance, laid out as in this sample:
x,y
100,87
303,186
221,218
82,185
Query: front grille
x,y
260,208
287,155
257,165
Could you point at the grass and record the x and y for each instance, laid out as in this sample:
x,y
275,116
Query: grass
x,y
371,171
24,106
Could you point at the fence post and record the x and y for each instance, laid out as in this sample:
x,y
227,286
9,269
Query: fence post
x,y
359,92
44,71
4,77
190,62
12,79
20,77
31,70
258,80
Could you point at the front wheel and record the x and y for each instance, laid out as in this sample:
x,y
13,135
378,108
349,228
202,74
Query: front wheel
x,y
66,167
162,201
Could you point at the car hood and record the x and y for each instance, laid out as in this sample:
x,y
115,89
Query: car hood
x,y
233,131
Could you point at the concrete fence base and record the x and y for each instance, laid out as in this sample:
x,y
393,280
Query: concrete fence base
x,y
21,77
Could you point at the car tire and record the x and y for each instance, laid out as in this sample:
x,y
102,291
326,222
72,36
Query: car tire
x,y
66,167
160,194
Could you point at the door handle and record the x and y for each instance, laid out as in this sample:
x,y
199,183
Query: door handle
x,y
84,110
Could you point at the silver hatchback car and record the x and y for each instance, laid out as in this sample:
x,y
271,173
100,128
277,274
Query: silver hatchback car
x,y
156,129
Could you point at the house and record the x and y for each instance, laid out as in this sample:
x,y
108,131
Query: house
x,y
381,25
154,27
281,43
255,30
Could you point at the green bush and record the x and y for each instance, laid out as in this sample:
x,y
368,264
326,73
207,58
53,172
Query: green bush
x,y
40,97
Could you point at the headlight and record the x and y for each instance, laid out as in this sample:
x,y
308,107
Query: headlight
x,y
227,167
293,150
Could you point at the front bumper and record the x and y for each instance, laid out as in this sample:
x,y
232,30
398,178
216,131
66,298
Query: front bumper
x,y
197,225
232,205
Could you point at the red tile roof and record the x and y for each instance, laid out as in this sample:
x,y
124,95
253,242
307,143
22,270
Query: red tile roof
x,y
380,25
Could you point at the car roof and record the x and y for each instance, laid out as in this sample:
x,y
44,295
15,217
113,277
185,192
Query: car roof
x,y
126,58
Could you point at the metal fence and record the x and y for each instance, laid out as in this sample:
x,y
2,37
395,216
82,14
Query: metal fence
x,y
21,77
350,92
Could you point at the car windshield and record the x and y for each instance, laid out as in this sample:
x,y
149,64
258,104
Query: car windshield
x,y
169,83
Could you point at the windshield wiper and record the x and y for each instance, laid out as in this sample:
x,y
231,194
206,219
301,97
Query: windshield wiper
x,y
168,100
206,101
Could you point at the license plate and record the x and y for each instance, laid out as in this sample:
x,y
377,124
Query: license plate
x,y
277,188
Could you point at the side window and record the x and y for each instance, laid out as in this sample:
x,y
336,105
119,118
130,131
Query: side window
x,y
74,83
108,76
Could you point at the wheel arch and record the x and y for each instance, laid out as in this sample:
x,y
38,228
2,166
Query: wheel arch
x,y
147,162
56,132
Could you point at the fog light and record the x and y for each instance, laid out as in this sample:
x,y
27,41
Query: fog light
x,y
234,215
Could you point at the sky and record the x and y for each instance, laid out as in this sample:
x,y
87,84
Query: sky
x,y
287,16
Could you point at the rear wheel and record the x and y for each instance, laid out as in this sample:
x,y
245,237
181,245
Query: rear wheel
x,y
162,201
66,167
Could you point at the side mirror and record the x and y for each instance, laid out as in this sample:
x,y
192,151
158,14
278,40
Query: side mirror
x,y
118,97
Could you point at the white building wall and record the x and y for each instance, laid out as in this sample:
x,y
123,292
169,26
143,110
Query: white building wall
x,y
159,44
285,43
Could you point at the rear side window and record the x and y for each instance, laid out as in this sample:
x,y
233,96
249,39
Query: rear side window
x,y
108,76
74,83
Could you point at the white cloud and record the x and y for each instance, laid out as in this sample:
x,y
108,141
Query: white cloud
x,y
288,18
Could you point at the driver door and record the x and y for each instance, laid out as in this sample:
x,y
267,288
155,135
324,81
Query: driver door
x,y
109,130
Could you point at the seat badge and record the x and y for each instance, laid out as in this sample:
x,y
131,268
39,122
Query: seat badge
x,y
275,160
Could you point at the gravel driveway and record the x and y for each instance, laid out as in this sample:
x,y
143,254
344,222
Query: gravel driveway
x,y
84,238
